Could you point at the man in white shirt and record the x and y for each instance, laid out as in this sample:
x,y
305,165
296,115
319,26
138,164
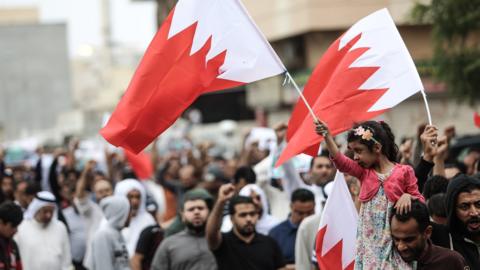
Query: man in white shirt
x,y
42,239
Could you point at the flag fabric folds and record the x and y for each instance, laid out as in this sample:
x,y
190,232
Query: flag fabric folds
x,y
335,241
202,46
141,164
365,72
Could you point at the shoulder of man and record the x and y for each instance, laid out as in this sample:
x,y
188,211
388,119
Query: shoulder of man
x,y
450,257
58,225
175,238
268,239
151,230
440,235
279,228
310,222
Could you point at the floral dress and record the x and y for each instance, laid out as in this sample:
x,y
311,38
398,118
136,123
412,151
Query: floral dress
x,y
374,245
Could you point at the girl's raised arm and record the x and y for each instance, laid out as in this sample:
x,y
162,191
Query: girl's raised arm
x,y
322,129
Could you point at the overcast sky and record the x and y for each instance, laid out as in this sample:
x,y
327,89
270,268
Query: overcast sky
x,y
132,23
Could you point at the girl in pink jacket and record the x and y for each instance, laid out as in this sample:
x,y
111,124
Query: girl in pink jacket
x,y
384,184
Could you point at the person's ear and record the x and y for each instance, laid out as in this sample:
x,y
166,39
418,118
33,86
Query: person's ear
x,y
428,232
377,148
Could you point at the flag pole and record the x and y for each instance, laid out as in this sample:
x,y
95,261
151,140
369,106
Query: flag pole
x,y
427,107
290,79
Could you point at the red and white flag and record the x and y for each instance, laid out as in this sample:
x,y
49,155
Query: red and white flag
x,y
141,164
335,243
365,72
202,46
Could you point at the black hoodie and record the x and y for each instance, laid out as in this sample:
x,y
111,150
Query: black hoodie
x,y
455,232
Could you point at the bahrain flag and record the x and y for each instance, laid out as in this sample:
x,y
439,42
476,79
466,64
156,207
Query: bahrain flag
x,y
362,74
202,46
335,242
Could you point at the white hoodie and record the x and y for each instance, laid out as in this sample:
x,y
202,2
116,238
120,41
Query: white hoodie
x,y
109,250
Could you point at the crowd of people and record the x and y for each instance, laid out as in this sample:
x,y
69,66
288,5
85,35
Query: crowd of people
x,y
418,207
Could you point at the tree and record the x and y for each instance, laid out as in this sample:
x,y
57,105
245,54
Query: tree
x,y
163,9
456,38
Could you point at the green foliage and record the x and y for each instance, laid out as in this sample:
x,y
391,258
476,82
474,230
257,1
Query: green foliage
x,y
163,9
456,37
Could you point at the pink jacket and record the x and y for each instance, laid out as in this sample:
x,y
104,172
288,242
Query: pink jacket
x,y
401,180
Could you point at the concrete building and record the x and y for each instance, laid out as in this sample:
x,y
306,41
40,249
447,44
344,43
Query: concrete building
x,y
98,58
34,78
300,32
93,81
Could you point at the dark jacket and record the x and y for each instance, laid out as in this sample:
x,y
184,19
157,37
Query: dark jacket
x,y
9,255
439,258
454,234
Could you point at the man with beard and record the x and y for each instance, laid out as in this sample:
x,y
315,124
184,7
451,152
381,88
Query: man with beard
x,y
43,240
188,250
265,221
462,232
411,237
242,247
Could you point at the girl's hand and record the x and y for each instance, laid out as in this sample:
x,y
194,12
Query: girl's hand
x,y
321,128
404,204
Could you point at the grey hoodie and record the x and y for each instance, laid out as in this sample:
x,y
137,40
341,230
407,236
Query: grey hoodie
x,y
109,251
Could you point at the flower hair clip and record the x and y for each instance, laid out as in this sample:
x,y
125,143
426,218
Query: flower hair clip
x,y
366,134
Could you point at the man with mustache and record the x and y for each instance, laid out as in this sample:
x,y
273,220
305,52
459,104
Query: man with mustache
x,y
411,233
188,250
242,247
42,239
462,232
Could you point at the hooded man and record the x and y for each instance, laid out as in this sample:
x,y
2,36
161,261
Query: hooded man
x,y
462,232
134,191
42,239
109,251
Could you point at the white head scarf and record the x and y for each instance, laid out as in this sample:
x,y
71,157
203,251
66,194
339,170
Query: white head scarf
x,y
266,221
141,220
125,186
249,189
42,199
